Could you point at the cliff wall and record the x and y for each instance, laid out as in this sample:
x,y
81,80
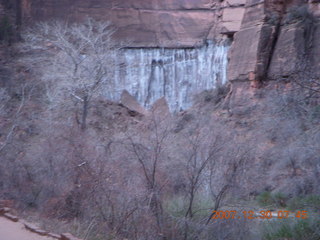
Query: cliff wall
x,y
272,39
277,39
156,23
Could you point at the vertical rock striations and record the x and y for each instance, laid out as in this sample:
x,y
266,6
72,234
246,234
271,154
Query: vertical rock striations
x,y
297,47
277,39
253,45
151,73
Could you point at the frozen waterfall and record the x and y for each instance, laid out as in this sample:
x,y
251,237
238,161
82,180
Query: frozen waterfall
x,y
151,73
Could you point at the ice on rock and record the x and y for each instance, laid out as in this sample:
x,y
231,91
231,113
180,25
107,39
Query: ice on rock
x,y
176,74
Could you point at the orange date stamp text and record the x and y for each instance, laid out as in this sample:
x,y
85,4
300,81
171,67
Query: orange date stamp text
x,y
282,214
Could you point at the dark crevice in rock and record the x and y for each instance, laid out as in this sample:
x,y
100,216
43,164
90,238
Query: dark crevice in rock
x,y
275,40
273,46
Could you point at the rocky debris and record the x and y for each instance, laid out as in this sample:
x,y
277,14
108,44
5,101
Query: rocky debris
x,y
131,103
53,235
11,217
233,3
68,236
5,212
35,229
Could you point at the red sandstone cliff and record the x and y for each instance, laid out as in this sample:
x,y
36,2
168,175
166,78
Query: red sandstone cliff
x,y
272,38
169,23
277,39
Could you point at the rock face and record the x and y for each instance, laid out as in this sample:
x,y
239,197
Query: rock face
x,y
170,53
297,47
277,39
272,39
250,53
156,23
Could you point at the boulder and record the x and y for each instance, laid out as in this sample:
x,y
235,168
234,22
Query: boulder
x,y
161,108
131,103
231,19
35,229
4,210
11,217
53,235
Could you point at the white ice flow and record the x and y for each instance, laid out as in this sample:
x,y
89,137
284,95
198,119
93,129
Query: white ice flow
x,y
177,74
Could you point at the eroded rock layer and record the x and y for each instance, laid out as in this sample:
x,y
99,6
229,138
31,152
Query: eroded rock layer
x,y
156,23
272,38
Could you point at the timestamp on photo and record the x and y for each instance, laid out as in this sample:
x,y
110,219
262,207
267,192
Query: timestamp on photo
x,y
281,214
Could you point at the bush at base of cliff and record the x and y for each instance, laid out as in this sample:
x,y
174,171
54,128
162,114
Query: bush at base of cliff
x,y
270,199
302,203
293,229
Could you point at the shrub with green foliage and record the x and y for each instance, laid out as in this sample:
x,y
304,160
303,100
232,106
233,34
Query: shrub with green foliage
x,y
177,206
275,200
308,229
315,113
265,199
280,199
302,203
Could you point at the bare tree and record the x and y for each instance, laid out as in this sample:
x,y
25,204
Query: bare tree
x,y
235,159
78,61
201,152
150,158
